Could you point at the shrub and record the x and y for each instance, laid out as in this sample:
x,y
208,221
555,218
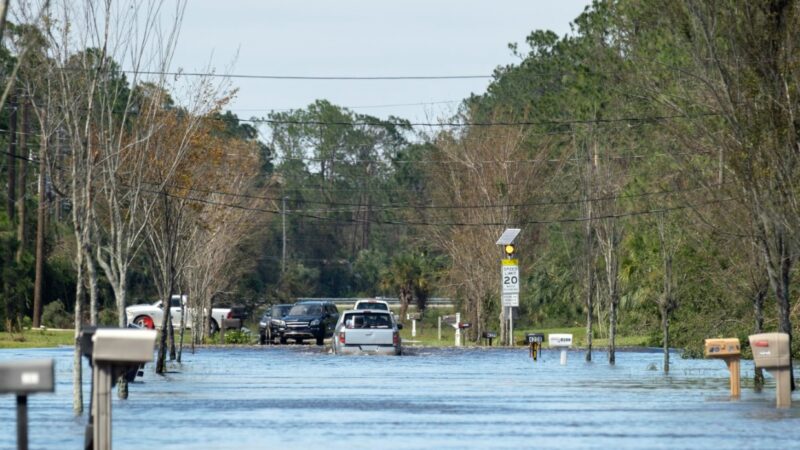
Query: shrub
x,y
55,315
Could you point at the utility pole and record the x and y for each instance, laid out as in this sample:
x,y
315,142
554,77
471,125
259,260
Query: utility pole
x,y
283,218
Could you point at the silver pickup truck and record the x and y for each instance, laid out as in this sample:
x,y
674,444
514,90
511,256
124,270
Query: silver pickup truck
x,y
367,331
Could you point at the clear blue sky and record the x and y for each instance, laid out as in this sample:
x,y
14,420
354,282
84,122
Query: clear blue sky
x,y
361,38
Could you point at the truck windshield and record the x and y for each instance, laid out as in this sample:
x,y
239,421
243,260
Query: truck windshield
x,y
368,320
305,310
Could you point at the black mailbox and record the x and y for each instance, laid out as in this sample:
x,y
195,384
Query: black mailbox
x,y
489,335
537,338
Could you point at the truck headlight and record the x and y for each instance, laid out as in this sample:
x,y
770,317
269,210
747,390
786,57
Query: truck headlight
x,y
314,323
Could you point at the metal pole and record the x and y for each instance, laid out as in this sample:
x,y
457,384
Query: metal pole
x,y
283,252
510,326
458,329
414,328
440,328
102,407
22,422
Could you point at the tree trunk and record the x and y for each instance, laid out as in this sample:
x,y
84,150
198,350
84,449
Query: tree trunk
x,y
91,272
612,332
758,306
11,158
779,263
77,387
161,361
589,288
665,330
23,183
405,300
182,330
41,215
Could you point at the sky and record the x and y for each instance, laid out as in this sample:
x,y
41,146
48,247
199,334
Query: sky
x,y
357,38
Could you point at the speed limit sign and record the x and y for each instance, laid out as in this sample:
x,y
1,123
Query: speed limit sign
x,y
510,276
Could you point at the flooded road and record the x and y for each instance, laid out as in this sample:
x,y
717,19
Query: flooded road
x,y
302,397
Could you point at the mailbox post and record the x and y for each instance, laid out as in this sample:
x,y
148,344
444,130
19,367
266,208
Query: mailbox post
x,y
23,378
729,351
562,341
535,343
771,351
112,352
488,336
413,317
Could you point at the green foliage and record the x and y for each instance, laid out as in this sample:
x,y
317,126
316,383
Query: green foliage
x,y
55,315
238,337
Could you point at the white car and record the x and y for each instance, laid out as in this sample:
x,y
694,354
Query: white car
x,y
151,315
367,331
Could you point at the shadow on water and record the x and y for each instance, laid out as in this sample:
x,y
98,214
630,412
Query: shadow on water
x,y
299,396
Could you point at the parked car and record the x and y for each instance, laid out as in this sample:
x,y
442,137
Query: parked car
x,y
367,331
151,315
371,304
308,320
269,325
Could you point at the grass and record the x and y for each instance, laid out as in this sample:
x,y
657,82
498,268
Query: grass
x,y
37,338
427,335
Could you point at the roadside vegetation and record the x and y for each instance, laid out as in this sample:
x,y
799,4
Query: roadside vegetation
x,y
650,159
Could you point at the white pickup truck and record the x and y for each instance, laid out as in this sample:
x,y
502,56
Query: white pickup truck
x,y
151,315
367,331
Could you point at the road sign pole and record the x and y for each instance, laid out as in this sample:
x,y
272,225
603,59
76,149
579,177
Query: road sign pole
x,y
511,326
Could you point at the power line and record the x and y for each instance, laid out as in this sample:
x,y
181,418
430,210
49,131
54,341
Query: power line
x,y
312,78
524,123
455,224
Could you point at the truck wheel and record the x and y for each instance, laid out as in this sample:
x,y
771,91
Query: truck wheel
x,y
262,339
283,340
144,322
213,327
320,339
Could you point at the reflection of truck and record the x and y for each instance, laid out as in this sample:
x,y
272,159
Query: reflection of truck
x,y
151,315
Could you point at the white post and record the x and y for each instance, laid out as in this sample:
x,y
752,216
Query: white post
x,y
563,357
458,329
511,326
414,328
440,328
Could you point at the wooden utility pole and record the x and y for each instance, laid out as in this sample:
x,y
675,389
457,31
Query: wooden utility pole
x,y
12,158
41,217
23,182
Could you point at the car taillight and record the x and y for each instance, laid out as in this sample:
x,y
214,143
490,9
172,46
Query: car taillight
x,y
342,338
396,338
230,315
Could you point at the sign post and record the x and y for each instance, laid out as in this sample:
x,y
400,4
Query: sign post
x,y
509,279
510,296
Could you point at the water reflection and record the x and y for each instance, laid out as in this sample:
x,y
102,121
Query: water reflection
x,y
304,397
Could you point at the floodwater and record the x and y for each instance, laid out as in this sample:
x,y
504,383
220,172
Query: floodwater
x,y
302,397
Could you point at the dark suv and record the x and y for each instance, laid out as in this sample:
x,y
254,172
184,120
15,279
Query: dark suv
x,y
269,324
309,320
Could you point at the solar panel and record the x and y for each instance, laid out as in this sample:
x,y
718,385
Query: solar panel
x,y
508,236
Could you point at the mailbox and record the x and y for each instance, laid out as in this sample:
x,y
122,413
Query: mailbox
x,y
771,352
464,325
118,345
113,352
729,350
722,348
534,337
534,341
489,336
26,377
560,340
23,378
413,316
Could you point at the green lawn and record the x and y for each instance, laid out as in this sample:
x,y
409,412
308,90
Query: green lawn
x,y
37,338
427,335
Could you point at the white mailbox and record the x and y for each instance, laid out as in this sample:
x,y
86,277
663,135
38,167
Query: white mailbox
x,y
122,345
560,340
